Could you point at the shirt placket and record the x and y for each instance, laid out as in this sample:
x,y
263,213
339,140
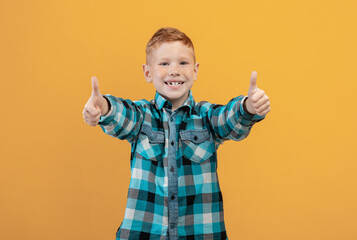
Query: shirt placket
x,y
172,177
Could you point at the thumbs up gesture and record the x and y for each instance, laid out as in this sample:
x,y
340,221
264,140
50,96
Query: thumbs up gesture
x,y
258,101
95,106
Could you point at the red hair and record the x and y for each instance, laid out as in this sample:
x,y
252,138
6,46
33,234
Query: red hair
x,y
168,35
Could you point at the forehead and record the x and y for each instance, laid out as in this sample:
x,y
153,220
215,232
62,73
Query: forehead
x,y
171,50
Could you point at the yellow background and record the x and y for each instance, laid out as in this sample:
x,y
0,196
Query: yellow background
x,y
293,178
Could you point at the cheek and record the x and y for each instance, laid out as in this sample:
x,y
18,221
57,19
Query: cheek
x,y
190,74
161,71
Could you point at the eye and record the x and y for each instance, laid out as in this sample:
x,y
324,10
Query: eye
x,y
164,63
183,63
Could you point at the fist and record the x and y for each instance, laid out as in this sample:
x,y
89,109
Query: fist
x,y
258,101
95,106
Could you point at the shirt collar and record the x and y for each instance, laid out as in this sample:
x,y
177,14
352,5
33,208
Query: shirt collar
x,y
161,102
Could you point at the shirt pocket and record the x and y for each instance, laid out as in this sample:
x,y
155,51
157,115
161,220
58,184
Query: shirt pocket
x,y
151,143
197,145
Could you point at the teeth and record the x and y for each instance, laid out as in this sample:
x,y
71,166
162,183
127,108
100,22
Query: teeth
x,y
174,83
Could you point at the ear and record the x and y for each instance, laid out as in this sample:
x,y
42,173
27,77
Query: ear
x,y
147,74
195,70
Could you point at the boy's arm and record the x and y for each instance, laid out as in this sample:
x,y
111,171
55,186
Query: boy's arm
x,y
235,120
123,120
117,117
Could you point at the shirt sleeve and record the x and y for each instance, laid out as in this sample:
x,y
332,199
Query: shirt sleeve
x,y
123,120
231,121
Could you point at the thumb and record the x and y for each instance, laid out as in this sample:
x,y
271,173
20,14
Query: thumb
x,y
95,87
253,82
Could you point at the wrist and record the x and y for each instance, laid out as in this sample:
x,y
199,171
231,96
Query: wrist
x,y
245,107
106,106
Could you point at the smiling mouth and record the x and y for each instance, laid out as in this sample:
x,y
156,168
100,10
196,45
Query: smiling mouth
x,y
173,83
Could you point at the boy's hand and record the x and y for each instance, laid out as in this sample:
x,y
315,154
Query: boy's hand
x,y
96,105
257,101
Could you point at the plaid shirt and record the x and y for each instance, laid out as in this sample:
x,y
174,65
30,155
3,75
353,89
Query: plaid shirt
x,y
174,189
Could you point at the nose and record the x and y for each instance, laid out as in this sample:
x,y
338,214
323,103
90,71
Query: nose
x,y
173,71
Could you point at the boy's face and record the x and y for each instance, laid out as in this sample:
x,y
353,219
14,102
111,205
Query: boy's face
x,y
172,70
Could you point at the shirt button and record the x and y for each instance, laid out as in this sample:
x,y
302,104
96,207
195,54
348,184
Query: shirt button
x,y
172,225
172,143
172,169
172,197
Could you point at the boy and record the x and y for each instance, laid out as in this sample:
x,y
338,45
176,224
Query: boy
x,y
174,191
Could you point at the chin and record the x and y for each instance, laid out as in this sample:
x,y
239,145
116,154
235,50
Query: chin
x,y
177,97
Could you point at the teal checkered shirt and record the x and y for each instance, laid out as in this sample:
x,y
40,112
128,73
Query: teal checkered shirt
x,y
174,191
